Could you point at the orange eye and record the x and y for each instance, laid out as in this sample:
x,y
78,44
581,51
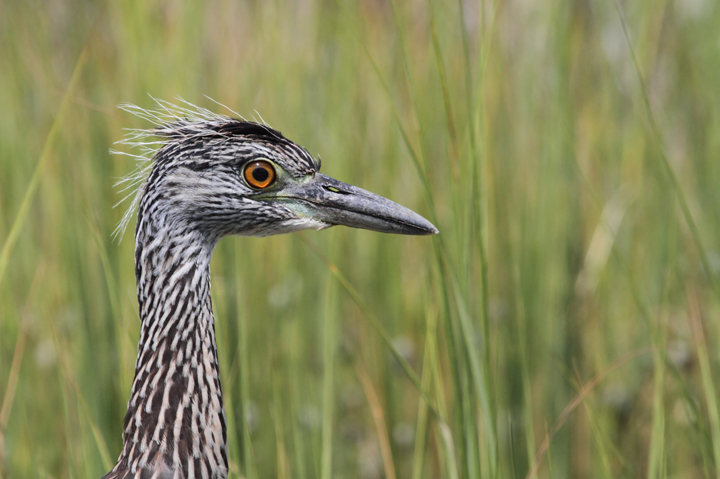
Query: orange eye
x,y
259,174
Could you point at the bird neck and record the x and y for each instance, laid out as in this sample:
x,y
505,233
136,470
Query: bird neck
x,y
175,417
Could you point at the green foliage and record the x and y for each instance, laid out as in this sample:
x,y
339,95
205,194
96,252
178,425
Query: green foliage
x,y
563,324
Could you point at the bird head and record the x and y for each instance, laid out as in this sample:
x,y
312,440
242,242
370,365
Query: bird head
x,y
231,177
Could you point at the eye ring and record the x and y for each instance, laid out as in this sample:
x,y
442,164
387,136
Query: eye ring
x,y
259,174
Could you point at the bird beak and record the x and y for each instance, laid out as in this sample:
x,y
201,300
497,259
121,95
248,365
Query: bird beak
x,y
337,203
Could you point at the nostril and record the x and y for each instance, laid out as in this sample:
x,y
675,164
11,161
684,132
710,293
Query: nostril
x,y
335,190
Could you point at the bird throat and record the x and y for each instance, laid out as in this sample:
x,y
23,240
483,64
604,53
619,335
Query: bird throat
x,y
175,423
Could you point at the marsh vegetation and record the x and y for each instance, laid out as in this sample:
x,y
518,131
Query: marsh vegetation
x,y
563,324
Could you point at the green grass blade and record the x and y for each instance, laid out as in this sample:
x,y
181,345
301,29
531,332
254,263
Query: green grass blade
x,y
22,213
709,388
328,394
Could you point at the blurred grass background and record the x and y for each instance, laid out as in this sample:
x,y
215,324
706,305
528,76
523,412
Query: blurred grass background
x,y
563,324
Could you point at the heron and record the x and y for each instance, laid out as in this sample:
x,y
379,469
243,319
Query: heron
x,y
211,176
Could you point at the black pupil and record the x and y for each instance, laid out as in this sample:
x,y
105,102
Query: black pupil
x,y
260,174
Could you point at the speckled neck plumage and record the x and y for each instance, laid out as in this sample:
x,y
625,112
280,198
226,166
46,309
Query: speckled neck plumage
x,y
175,424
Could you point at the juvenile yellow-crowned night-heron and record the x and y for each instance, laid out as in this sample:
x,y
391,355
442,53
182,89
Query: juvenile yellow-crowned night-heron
x,y
213,176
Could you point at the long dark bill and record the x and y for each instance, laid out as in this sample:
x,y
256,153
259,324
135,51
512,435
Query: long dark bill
x,y
338,203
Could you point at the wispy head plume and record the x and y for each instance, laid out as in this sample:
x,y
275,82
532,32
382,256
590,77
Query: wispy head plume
x,y
169,120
